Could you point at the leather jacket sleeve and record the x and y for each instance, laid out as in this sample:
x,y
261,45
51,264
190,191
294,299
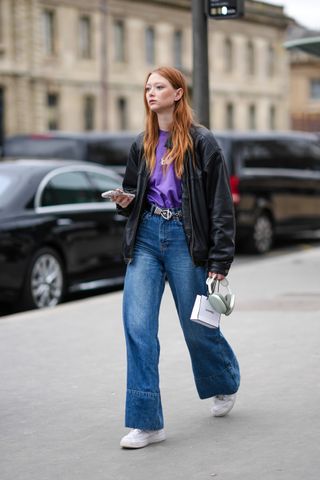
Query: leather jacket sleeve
x,y
220,209
129,183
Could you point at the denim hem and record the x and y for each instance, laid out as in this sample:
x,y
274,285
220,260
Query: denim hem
x,y
226,383
143,410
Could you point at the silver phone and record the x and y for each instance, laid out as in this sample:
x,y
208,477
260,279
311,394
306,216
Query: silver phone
x,y
111,193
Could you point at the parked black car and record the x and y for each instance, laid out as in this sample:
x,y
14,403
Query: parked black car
x,y
57,235
108,148
275,183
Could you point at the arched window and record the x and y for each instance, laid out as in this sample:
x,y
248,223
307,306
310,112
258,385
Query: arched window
x,y
272,117
89,112
150,45
122,108
251,64
119,41
228,55
252,121
229,116
177,48
271,61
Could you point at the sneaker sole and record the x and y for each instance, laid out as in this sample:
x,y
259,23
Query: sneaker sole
x,y
223,413
142,444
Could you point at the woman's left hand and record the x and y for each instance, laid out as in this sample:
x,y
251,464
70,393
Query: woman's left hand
x,y
218,276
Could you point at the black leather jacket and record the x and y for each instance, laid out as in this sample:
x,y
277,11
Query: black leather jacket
x,y
207,207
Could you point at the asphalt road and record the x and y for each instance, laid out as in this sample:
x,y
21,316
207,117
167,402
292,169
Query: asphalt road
x,y
63,386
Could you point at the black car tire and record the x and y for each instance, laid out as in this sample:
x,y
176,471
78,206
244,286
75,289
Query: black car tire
x,y
261,239
44,282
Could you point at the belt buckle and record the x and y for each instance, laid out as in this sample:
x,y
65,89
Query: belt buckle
x,y
166,214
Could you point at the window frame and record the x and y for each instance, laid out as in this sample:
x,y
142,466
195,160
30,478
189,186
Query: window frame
x,y
119,36
49,29
150,45
85,36
314,85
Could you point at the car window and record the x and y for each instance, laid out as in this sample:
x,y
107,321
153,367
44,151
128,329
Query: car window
x,y
43,147
67,188
102,183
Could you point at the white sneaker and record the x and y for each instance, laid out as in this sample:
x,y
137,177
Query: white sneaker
x,y
222,404
141,438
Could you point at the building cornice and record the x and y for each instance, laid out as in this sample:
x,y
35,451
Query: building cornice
x,y
255,12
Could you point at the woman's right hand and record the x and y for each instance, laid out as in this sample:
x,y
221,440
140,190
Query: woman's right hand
x,y
121,199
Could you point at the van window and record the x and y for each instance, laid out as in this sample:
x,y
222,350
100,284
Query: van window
x,y
315,155
114,151
290,153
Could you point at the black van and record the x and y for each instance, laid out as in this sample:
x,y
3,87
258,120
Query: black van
x,y
108,148
275,183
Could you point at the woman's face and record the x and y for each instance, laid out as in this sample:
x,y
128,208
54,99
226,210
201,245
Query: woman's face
x,y
160,94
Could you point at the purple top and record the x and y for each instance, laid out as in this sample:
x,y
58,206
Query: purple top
x,y
164,189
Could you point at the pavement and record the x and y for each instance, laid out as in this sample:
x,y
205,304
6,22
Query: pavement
x,y
63,387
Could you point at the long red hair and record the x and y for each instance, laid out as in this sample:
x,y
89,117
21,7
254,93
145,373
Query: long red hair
x,y
180,130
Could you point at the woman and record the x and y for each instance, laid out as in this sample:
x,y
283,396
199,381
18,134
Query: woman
x,y
181,228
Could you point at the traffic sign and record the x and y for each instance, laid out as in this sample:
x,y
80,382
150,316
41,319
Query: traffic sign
x,y
225,9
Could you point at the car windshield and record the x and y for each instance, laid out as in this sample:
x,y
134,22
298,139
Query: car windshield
x,y
43,147
6,188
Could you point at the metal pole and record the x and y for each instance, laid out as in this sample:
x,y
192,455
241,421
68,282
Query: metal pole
x,y
201,99
104,68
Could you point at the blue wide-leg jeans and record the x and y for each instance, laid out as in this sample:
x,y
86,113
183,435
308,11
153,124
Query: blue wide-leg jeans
x,y
161,253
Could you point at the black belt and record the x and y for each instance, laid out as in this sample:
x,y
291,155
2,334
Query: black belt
x,y
166,213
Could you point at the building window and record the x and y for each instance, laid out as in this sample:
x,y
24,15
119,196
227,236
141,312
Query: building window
x,y
228,55
53,111
177,48
250,58
122,113
272,117
119,41
315,89
85,37
89,112
229,116
271,61
150,46
49,31
252,117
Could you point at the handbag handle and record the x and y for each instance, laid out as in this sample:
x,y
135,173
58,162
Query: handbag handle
x,y
211,284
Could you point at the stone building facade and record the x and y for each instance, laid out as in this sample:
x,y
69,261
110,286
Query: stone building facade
x,y
304,80
78,65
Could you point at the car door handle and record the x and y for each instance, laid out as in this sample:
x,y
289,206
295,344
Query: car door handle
x,y
64,221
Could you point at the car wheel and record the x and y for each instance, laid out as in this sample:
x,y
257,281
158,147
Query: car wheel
x,y
262,234
44,285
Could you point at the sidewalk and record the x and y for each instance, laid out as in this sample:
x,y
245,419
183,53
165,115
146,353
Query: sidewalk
x,y
63,387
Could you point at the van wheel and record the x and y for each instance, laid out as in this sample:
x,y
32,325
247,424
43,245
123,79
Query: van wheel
x,y
262,234
44,284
